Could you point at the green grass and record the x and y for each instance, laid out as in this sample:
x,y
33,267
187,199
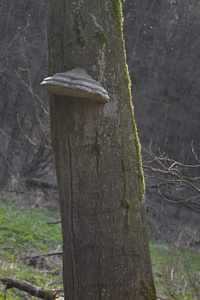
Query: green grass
x,y
25,233
176,271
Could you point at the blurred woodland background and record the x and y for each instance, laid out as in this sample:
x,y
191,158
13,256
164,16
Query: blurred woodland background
x,y
162,43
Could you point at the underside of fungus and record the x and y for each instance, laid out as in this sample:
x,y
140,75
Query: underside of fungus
x,y
75,83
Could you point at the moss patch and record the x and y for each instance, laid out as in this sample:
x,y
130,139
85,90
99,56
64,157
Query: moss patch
x,y
79,27
125,203
117,6
100,37
149,292
80,40
119,18
79,21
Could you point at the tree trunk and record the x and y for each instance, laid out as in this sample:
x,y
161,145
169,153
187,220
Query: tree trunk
x,y
97,156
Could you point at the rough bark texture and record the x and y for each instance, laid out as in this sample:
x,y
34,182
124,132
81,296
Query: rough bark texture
x,y
97,156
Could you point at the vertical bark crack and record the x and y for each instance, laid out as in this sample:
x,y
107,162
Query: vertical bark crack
x,y
74,250
99,276
96,149
97,160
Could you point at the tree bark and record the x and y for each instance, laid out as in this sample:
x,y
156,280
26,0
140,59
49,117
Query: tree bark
x,y
97,157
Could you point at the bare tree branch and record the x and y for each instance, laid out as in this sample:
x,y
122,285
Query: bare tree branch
x,y
167,170
34,96
44,254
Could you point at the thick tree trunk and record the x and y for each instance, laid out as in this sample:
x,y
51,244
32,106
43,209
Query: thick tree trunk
x,y
97,156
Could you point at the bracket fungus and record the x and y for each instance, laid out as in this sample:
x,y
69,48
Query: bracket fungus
x,y
76,83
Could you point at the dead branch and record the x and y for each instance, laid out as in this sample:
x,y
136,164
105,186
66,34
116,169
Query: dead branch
x,y
44,254
56,222
40,183
24,286
175,177
167,170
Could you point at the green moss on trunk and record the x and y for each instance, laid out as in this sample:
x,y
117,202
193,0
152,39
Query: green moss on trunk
x,y
117,6
79,27
100,37
119,18
149,292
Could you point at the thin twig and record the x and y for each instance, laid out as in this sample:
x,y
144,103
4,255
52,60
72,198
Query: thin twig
x,y
171,171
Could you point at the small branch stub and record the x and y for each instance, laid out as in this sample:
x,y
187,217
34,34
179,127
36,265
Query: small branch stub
x,y
76,83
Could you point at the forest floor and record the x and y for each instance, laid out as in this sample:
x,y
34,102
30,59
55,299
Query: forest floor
x,y
25,236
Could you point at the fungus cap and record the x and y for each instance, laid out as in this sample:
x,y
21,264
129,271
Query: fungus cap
x,y
76,83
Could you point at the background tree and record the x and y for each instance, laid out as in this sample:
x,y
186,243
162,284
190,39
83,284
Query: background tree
x,y
97,157
22,32
162,40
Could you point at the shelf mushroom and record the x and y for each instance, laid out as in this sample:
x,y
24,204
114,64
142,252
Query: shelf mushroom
x,y
76,83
